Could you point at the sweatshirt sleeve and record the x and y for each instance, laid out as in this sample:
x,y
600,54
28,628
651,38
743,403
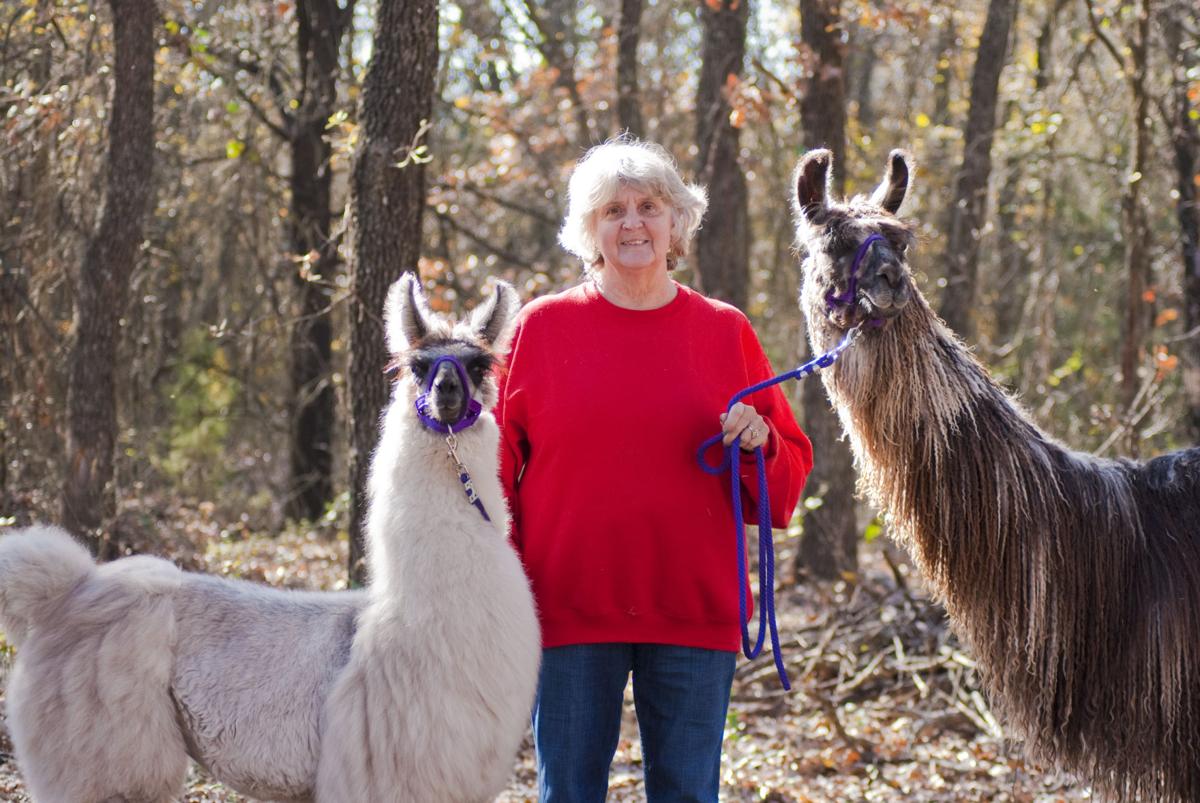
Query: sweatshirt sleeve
x,y
514,445
788,453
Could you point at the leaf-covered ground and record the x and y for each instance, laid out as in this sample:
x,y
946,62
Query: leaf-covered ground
x,y
885,705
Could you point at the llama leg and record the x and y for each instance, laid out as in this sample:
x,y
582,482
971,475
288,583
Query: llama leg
x,y
367,749
70,749
343,769
89,704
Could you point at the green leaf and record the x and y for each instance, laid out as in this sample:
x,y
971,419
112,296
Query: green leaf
x,y
234,148
873,531
1071,366
337,118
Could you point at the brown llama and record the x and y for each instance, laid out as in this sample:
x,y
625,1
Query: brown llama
x,y
1074,579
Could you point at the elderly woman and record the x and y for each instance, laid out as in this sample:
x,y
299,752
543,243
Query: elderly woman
x,y
628,545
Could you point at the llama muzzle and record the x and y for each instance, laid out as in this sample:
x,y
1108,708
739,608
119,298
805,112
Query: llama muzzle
x,y
884,288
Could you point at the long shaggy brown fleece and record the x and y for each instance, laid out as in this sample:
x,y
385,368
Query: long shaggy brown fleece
x,y
1075,579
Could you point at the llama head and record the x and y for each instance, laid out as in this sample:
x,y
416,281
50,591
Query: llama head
x,y
854,264
420,338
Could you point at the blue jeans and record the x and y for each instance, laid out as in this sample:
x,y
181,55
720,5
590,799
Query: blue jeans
x,y
681,695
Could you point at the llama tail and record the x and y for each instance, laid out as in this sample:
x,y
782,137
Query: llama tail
x,y
38,566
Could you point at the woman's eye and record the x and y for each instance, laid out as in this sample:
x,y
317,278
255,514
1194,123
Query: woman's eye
x,y
650,207
613,211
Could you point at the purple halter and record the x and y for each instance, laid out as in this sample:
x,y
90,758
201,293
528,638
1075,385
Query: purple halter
x,y
847,299
469,416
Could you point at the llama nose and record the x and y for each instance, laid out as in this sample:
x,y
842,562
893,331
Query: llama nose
x,y
890,270
446,384
446,387
449,396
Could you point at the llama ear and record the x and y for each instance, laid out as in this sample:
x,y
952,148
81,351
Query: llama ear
x,y
404,313
891,191
812,182
493,319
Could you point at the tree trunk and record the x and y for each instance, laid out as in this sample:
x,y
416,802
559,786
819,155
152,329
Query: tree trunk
x,y
387,200
823,107
1135,227
1185,139
969,204
320,25
89,500
1045,46
723,243
860,68
943,77
25,237
1010,285
629,111
829,546
1039,317
555,21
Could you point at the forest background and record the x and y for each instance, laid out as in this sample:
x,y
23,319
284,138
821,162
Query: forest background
x,y
201,204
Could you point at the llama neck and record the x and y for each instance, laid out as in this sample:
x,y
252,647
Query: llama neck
x,y
1082,621
998,515
422,529
939,444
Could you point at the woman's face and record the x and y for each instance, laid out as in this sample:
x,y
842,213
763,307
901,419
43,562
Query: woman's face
x,y
633,231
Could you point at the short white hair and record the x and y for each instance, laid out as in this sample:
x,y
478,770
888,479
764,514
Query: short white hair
x,y
623,162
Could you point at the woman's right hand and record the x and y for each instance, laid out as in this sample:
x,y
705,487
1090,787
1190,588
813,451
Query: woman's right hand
x,y
744,421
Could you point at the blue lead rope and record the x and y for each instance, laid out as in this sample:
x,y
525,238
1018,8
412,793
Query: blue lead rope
x,y
464,477
766,546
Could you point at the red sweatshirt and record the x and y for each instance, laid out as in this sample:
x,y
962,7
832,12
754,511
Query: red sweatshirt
x,y
623,536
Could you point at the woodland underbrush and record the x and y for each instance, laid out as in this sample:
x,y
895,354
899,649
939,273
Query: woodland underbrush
x,y
886,703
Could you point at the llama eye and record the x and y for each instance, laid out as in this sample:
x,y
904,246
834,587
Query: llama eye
x,y
419,367
477,369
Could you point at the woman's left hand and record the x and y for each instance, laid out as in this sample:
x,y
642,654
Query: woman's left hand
x,y
744,420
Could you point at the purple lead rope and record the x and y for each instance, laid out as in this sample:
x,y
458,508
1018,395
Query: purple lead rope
x,y
766,545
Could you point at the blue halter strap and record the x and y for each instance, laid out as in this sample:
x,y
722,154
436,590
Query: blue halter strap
x,y
847,298
469,416
766,546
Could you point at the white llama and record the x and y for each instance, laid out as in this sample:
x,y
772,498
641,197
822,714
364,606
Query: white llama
x,y
417,689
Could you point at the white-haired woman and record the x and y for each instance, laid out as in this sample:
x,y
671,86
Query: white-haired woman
x,y
628,545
